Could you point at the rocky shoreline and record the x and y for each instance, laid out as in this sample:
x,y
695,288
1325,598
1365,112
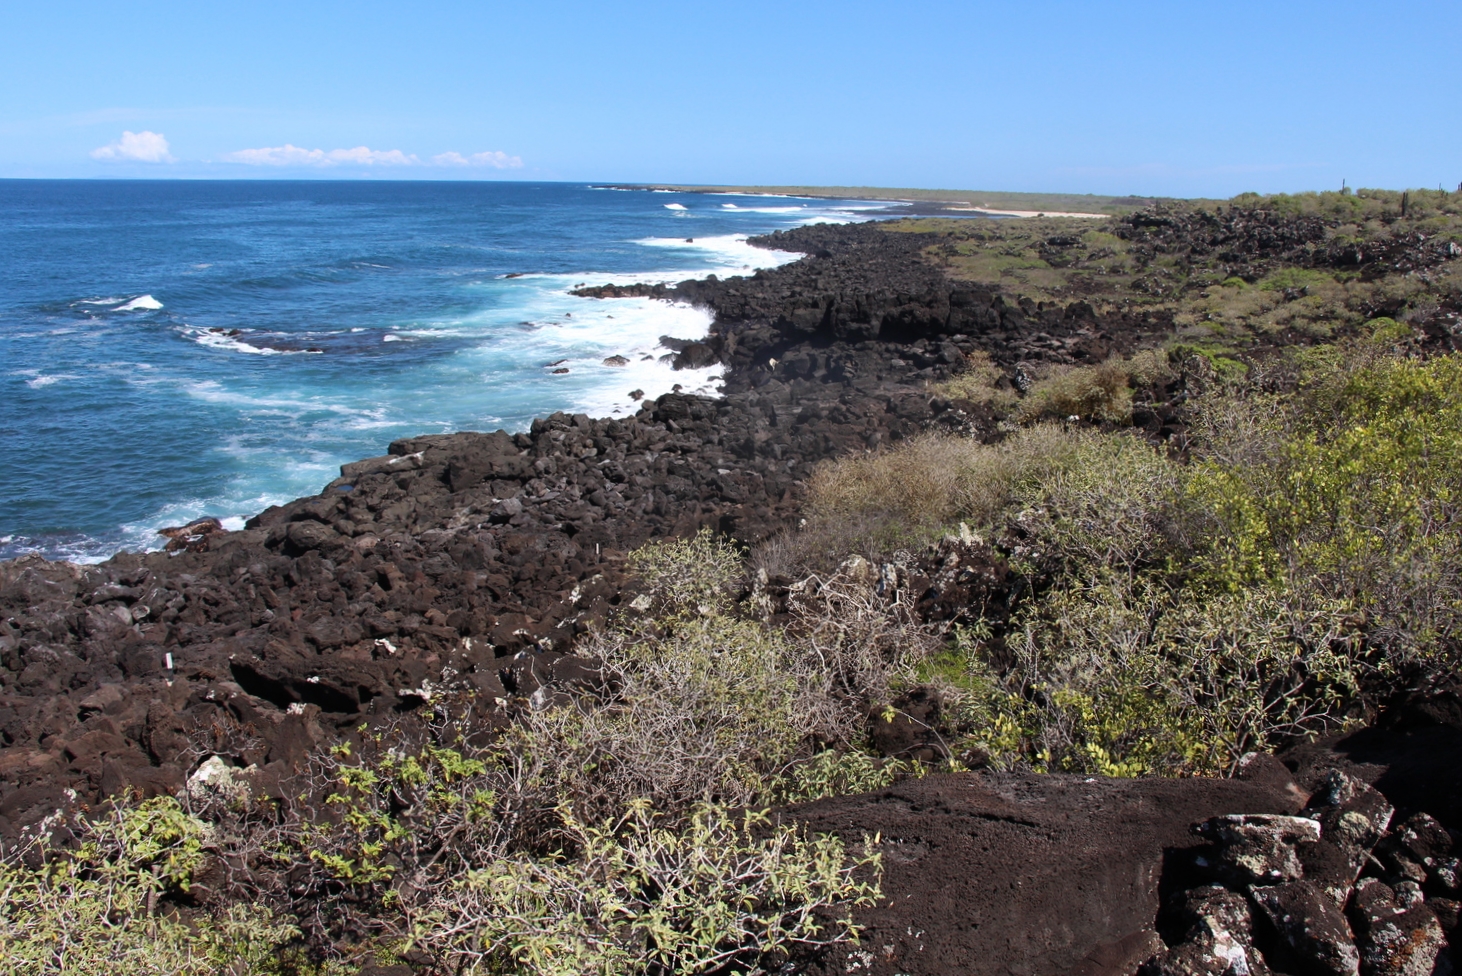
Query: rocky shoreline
x,y
473,561
477,558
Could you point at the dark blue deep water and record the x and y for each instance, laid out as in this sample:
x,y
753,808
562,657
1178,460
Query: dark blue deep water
x,y
170,350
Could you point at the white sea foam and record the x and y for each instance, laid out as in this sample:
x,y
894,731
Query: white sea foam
x,y
44,380
142,535
228,343
140,303
675,206
391,337
719,253
579,334
213,391
765,210
100,301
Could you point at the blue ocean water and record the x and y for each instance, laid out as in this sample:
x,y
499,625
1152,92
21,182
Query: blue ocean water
x,y
170,350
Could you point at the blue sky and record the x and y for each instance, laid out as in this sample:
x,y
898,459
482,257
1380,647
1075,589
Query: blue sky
x,y
1174,98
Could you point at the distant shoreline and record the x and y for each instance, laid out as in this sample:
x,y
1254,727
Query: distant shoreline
x,y
993,203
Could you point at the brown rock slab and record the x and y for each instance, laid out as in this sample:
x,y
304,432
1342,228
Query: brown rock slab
x,y
1000,873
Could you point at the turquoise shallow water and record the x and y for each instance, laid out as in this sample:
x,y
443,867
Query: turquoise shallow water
x,y
170,350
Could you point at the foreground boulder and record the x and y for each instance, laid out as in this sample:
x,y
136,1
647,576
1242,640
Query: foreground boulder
x,y
1035,874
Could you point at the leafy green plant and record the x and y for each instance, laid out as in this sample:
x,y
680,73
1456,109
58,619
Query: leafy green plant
x,y
839,773
1186,614
640,895
695,574
98,909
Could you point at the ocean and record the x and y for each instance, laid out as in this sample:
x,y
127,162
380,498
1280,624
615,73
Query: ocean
x,y
176,349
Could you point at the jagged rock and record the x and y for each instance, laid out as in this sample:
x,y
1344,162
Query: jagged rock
x,y
1353,818
1120,957
1218,940
1207,954
106,698
385,464
1308,921
1213,908
216,779
1449,913
1395,938
1423,838
196,536
1446,874
1259,848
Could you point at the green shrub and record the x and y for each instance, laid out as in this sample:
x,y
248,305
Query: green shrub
x,y
1357,497
839,773
639,896
679,575
1276,587
99,909
1385,331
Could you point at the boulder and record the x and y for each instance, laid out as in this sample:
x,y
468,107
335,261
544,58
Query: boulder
x,y
1310,924
1353,818
1395,938
1219,940
1258,848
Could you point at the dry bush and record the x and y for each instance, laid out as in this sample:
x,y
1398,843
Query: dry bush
x,y
1102,392
707,710
498,854
936,480
858,636
979,382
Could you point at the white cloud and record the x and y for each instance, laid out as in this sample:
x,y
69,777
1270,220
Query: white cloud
x,y
139,147
497,160
288,155
291,155
362,156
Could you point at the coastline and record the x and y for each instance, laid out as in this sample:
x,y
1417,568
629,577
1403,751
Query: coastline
x,y
472,564
495,543
924,202
273,391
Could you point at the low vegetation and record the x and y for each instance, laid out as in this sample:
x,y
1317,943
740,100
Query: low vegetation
x,y
1182,613
619,829
91,908
1229,275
